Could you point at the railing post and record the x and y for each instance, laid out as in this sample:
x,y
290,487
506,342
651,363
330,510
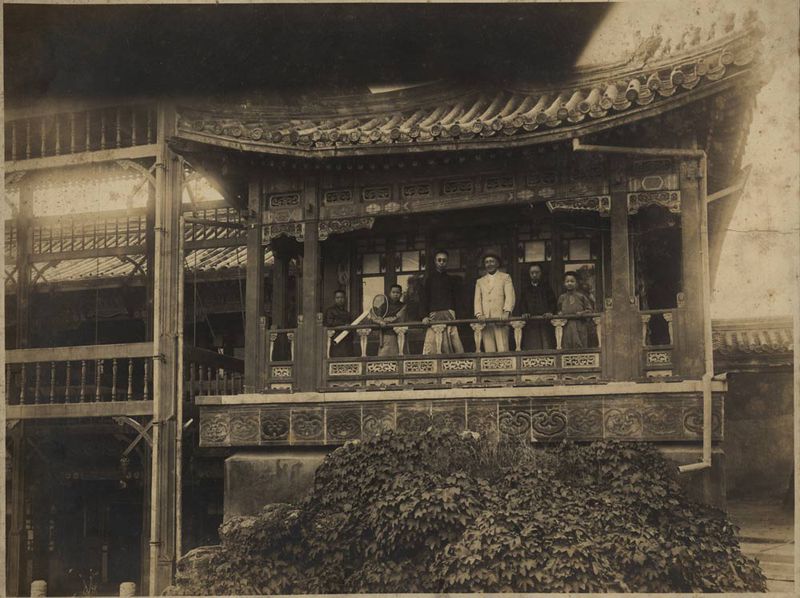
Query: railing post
x,y
558,324
82,396
363,337
330,334
645,323
668,320
38,373
477,334
273,336
129,395
52,382
23,385
67,380
38,588
114,379
438,334
290,336
98,376
518,325
598,327
401,338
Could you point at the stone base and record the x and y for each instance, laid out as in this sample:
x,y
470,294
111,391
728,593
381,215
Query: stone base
x,y
253,480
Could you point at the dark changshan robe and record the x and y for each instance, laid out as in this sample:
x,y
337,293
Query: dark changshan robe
x,y
339,316
537,300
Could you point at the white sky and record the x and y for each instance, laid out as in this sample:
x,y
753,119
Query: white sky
x,y
758,268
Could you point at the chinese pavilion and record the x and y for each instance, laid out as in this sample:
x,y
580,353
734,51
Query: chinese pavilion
x,y
165,360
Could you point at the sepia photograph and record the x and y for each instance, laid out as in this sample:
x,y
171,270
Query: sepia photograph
x,y
387,298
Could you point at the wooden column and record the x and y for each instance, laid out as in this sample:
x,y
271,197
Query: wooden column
x,y
168,366
15,580
689,360
280,281
621,338
149,259
309,352
24,250
254,300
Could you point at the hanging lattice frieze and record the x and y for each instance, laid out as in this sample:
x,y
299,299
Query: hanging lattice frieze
x,y
670,200
598,203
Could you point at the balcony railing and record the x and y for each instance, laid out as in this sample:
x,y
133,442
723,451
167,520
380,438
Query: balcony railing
x,y
280,371
209,373
658,342
84,374
514,367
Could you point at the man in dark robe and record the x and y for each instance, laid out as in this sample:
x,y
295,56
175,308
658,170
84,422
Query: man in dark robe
x,y
537,299
338,315
438,304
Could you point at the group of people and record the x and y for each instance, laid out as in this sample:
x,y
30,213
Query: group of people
x,y
495,300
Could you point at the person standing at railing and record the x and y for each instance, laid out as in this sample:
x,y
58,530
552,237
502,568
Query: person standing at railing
x,y
395,313
339,315
438,300
570,303
538,299
494,299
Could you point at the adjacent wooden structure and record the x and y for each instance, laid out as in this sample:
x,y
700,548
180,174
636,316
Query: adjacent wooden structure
x,y
357,193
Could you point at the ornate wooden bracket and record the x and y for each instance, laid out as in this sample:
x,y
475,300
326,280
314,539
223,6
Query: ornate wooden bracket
x,y
141,432
147,173
39,272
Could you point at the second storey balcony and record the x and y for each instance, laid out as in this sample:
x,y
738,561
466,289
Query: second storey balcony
x,y
409,364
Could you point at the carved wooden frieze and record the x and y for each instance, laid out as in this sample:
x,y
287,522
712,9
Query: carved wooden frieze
x,y
344,225
600,204
644,416
287,229
671,200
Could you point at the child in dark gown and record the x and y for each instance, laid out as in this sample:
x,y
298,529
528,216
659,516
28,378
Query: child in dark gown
x,y
570,303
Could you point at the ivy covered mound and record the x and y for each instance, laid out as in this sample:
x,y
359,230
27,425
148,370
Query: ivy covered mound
x,y
443,512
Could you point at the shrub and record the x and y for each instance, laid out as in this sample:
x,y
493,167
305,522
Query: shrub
x,y
446,512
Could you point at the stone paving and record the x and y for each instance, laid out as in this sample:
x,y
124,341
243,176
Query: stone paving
x,y
768,534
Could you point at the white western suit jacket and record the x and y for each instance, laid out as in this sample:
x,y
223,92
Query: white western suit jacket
x,y
494,295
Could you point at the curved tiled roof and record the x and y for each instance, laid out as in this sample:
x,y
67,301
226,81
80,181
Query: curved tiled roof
x,y
752,337
442,116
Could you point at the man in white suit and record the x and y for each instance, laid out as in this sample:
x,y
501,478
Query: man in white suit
x,y
494,299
